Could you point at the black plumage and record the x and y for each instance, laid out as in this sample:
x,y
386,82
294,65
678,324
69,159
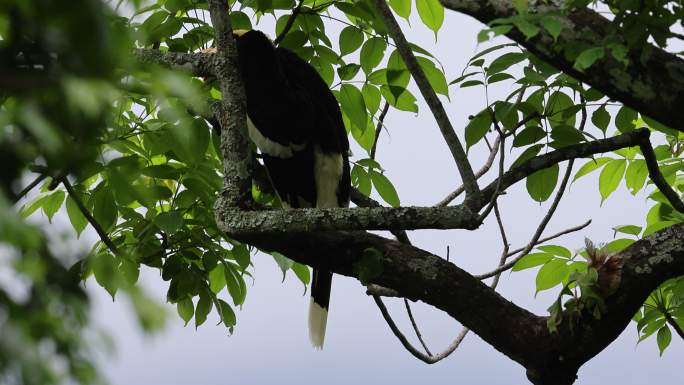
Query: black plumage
x,y
296,123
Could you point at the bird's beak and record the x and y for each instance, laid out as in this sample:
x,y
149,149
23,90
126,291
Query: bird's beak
x,y
240,32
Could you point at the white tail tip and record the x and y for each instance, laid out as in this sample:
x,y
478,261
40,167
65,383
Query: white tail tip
x,y
318,319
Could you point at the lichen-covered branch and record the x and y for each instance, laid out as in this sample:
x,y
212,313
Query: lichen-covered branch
x,y
241,222
454,144
198,64
651,84
550,358
232,112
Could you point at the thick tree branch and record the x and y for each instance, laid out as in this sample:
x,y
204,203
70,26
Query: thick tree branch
x,y
524,337
430,97
199,64
652,84
240,222
232,113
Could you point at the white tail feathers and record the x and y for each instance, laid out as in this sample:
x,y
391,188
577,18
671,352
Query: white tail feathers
x,y
318,319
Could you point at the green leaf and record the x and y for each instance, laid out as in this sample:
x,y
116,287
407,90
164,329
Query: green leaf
x,y
624,120
104,207
217,279
369,266
628,229
551,274
130,270
556,250
361,180
204,306
552,25
351,39
227,314
541,184
353,105
528,29
372,52
521,5
664,338
601,118
235,283
530,152
52,204
529,135
302,272
505,61
186,309
169,222
76,217
385,188
434,75
241,255
284,263
590,166
348,71
532,260
477,128
372,98
431,12
106,274
610,178
401,7
617,245
636,175
588,57
556,107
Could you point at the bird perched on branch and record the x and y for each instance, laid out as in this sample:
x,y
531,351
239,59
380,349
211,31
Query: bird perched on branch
x,y
295,121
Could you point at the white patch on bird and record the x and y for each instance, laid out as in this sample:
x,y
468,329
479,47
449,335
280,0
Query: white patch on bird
x,y
269,147
318,320
327,173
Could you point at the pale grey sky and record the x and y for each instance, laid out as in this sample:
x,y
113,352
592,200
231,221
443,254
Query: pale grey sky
x,y
270,343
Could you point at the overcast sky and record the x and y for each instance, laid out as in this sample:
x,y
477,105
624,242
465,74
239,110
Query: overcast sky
x,y
270,343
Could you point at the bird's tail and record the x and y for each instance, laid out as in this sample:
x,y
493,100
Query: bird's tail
x,y
318,307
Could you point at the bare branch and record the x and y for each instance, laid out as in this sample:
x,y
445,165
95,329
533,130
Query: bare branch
x,y
378,128
415,327
485,167
431,98
538,232
657,176
30,187
554,236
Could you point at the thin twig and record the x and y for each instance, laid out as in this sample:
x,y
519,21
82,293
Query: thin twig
x,y
415,327
657,176
450,137
378,128
481,172
540,228
89,217
30,187
502,148
290,23
554,236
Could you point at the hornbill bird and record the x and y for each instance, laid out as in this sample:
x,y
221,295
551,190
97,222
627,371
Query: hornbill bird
x,y
295,121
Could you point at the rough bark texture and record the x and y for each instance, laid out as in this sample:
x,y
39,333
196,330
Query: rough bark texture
x,y
653,85
199,64
550,358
